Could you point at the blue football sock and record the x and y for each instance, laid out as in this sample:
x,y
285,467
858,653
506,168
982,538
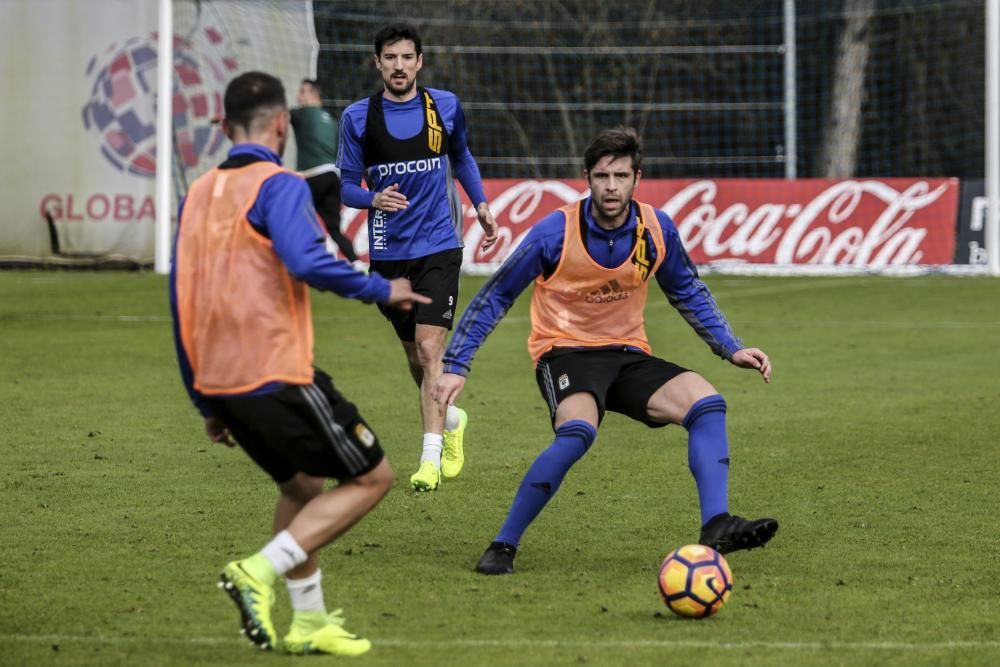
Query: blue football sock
x,y
543,478
708,454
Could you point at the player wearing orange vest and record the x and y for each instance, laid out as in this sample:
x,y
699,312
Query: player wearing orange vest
x,y
248,246
591,263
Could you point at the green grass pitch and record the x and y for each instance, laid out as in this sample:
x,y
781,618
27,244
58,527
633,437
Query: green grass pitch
x,y
876,446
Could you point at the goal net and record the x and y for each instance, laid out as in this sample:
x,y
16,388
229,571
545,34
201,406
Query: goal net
x,y
214,41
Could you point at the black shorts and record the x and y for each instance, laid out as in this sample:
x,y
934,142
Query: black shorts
x,y
435,276
620,380
301,428
325,190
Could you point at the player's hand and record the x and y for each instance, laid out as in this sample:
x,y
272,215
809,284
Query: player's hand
x,y
390,200
218,432
489,226
447,388
402,296
752,357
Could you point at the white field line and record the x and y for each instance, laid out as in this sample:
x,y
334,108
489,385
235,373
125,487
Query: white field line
x,y
546,643
727,291
96,317
805,285
867,324
82,317
799,324
844,324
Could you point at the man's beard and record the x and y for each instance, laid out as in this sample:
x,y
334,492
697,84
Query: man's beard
x,y
405,91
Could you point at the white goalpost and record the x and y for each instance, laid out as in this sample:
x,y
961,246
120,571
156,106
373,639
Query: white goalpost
x,y
201,45
164,162
992,170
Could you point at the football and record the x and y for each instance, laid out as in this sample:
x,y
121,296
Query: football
x,y
695,581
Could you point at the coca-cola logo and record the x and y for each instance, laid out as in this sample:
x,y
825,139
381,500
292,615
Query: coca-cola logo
x,y
517,209
861,222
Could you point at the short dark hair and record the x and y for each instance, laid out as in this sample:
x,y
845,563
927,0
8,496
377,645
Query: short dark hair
x,y
251,94
314,84
395,33
618,142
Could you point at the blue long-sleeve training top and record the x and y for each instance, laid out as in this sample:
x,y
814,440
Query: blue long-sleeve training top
x,y
538,254
284,213
432,221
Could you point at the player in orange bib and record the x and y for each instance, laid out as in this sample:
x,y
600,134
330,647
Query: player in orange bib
x,y
591,263
249,245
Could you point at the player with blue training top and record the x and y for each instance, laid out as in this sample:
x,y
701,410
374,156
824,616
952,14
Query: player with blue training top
x,y
249,246
407,142
591,262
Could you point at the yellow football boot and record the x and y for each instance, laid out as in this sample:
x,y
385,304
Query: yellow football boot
x,y
318,632
253,598
453,451
427,477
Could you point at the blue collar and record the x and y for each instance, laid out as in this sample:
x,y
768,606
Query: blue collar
x,y
256,150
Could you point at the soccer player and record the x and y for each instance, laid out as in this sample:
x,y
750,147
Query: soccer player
x,y
407,141
591,263
248,247
316,143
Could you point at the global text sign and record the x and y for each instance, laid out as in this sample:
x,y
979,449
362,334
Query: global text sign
x,y
79,165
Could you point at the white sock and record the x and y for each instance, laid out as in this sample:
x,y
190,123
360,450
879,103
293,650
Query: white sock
x,y
451,419
307,593
432,448
284,552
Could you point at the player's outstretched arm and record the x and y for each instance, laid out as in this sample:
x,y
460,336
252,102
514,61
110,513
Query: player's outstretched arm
x,y
489,226
752,357
447,388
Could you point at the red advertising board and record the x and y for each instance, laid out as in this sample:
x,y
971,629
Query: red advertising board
x,y
862,223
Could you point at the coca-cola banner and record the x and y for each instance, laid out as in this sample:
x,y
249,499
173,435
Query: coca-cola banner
x,y
860,223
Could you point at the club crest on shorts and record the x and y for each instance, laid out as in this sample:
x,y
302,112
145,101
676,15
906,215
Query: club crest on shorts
x,y
563,381
364,435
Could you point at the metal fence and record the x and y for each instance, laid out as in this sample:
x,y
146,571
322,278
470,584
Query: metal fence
x,y
717,88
